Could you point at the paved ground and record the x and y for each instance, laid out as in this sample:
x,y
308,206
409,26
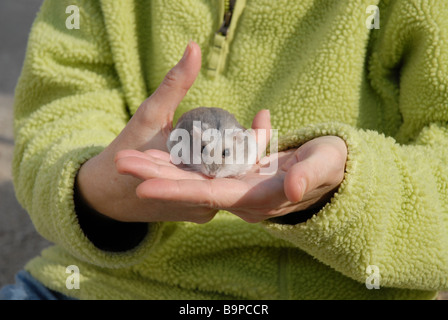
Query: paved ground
x,y
18,240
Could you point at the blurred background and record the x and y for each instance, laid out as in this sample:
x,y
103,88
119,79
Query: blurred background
x,y
18,240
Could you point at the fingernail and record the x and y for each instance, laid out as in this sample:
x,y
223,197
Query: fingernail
x,y
187,51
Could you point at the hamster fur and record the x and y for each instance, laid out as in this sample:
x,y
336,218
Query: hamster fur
x,y
219,133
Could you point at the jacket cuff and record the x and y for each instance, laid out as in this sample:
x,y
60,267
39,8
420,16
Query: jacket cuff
x,y
327,233
67,229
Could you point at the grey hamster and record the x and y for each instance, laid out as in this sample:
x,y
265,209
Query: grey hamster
x,y
212,142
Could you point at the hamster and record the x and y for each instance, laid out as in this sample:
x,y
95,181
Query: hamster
x,y
212,142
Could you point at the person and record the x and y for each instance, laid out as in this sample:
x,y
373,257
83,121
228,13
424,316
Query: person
x,y
356,210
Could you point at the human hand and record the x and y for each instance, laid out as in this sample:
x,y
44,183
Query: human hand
x,y
155,164
306,177
101,187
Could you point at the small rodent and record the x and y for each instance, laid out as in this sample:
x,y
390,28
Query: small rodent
x,y
217,145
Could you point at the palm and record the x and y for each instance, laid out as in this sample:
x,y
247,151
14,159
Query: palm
x,y
253,197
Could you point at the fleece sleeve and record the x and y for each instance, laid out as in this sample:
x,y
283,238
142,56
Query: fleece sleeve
x,y
391,210
69,106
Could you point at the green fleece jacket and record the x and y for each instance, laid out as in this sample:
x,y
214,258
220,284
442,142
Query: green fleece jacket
x,y
320,70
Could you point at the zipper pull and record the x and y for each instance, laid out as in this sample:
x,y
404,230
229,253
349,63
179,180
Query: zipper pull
x,y
230,5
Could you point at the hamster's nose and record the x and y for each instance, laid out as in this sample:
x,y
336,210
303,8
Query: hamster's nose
x,y
213,170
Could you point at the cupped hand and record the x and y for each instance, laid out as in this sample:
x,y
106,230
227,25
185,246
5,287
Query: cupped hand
x,y
107,191
112,194
306,177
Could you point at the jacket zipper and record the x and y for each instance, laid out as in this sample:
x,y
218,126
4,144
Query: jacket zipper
x,y
228,12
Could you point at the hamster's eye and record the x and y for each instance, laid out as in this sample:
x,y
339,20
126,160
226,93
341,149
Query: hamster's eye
x,y
226,153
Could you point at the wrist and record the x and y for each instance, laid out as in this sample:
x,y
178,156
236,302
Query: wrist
x,y
100,187
307,213
86,186
104,232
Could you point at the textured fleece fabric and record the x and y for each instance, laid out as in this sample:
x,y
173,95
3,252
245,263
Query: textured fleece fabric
x,y
319,70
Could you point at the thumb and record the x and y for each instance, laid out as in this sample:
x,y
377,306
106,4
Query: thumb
x,y
158,110
151,123
299,179
178,80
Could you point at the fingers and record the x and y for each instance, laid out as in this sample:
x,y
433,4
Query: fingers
x,y
211,193
158,154
262,120
306,169
297,181
144,166
318,163
262,126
